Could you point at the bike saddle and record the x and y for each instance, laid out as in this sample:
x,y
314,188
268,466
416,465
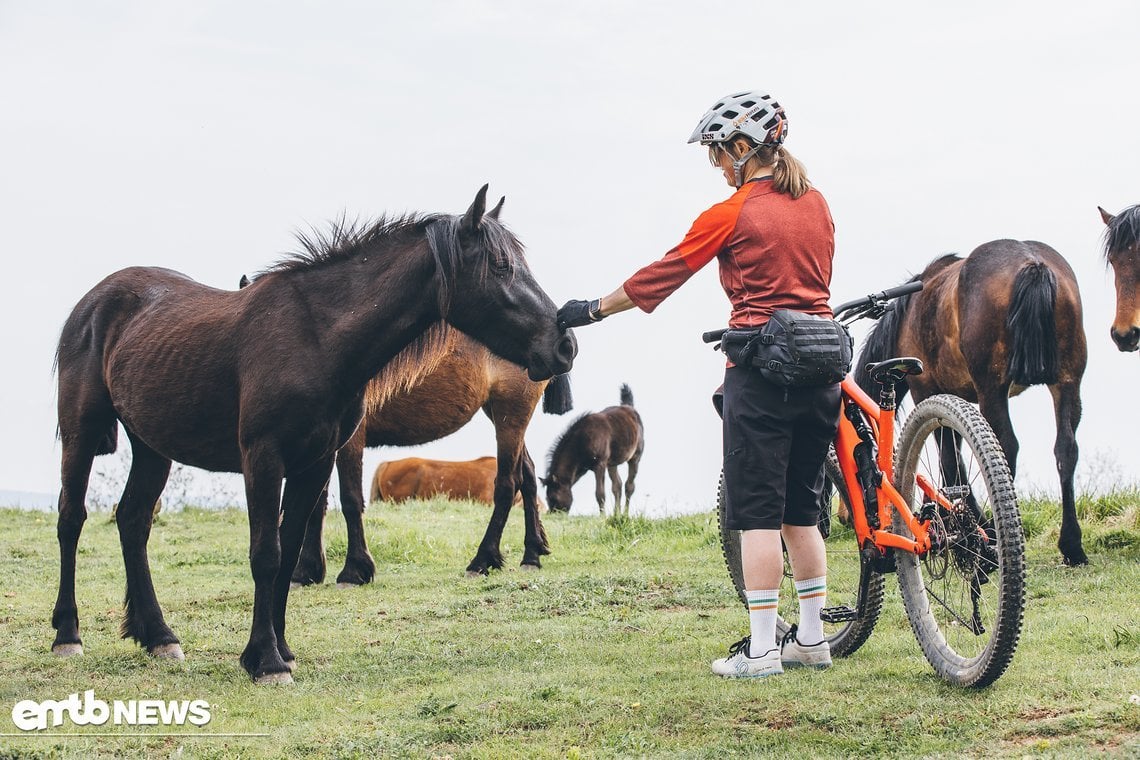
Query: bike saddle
x,y
892,371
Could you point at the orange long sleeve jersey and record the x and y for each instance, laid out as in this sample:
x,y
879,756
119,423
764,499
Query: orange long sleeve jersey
x,y
774,251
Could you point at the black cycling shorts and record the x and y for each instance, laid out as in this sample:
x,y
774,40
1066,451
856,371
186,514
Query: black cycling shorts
x,y
775,444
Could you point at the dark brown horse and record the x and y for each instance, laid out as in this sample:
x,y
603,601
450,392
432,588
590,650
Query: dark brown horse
x,y
597,443
1122,250
437,400
269,381
986,327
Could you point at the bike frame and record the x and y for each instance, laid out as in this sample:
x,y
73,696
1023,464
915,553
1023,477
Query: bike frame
x,y
882,423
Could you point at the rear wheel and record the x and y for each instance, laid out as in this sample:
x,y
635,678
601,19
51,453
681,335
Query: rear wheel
x,y
965,597
852,614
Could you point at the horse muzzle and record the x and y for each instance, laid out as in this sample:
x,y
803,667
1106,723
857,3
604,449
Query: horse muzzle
x,y
1128,341
560,361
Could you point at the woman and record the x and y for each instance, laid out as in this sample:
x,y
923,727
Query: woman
x,y
774,241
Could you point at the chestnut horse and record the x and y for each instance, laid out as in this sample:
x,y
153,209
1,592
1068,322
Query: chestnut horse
x,y
439,400
270,381
1122,251
597,443
986,327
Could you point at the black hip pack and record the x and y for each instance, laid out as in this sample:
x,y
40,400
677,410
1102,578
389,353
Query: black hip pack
x,y
793,349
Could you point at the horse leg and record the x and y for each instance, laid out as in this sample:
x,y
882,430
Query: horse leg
x,y
1067,405
630,476
263,475
510,429
302,491
535,544
142,616
490,556
359,567
81,436
994,406
311,562
615,487
600,487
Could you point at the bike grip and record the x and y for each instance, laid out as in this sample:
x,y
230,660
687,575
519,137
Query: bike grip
x,y
713,335
901,290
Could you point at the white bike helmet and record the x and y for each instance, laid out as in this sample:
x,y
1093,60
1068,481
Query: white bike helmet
x,y
751,113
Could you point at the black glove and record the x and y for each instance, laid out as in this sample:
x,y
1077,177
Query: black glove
x,y
579,313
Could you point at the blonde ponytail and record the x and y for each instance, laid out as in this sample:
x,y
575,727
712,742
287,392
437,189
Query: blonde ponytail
x,y
789,176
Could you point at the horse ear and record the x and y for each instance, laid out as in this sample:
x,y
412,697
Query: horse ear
x,y
542,480
1107,217
474,216
243,282
494,213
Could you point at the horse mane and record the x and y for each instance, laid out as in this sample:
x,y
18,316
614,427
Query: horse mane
x,y
554,447
344,239
1123,231
883,338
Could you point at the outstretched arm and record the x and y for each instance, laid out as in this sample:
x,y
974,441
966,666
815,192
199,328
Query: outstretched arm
x,y
580,313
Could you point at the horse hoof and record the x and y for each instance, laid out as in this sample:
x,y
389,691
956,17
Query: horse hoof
x,y
274,679
294,585
168,652
529,567
67,650
475,574
342,585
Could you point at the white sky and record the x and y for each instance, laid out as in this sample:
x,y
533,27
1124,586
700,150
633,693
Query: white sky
x,y
198,136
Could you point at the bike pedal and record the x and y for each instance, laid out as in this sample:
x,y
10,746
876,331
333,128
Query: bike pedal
x,y
839,614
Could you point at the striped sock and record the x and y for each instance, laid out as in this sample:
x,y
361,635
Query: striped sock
x,y
813,595
762,617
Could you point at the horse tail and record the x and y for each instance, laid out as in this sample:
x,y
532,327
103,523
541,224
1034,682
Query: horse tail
x,y
626,395
1032,326
557,398
881,343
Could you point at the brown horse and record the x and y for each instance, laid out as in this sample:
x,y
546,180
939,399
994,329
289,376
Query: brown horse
x,y
986,327
437,401
597,442
269,381
1122,250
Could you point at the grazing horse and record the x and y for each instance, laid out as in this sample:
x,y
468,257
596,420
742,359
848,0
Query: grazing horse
x,y
269,381
417,478
986,327
1122,250
597,442
438,400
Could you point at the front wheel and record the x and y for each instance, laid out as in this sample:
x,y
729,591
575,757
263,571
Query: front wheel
x,y
854,605
965,597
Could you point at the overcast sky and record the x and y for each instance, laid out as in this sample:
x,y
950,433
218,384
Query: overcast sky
x,y
199,136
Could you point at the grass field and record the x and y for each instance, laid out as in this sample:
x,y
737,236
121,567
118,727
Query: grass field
x,y
603,653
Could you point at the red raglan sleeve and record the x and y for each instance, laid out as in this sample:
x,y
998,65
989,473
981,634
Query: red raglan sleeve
x,y
652,284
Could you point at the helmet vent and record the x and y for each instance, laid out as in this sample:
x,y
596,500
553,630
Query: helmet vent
x,y
730,114
715,127
748,104
771,123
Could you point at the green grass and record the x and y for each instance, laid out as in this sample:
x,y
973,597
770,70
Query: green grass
x,y
603,653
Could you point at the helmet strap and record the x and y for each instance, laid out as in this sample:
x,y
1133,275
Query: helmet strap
x,y
738,166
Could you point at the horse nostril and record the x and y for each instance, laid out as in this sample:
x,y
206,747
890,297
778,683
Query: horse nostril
x,y
1127,341
567,347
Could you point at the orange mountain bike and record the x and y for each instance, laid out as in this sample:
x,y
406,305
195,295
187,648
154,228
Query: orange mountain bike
x,y
936,506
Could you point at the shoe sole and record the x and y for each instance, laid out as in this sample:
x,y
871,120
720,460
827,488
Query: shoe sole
x,y
812,666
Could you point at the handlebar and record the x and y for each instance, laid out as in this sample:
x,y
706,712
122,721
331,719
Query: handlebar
x,y
871,305
878,299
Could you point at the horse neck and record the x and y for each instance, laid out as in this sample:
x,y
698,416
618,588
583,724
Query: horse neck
x,y
563,463
368,308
